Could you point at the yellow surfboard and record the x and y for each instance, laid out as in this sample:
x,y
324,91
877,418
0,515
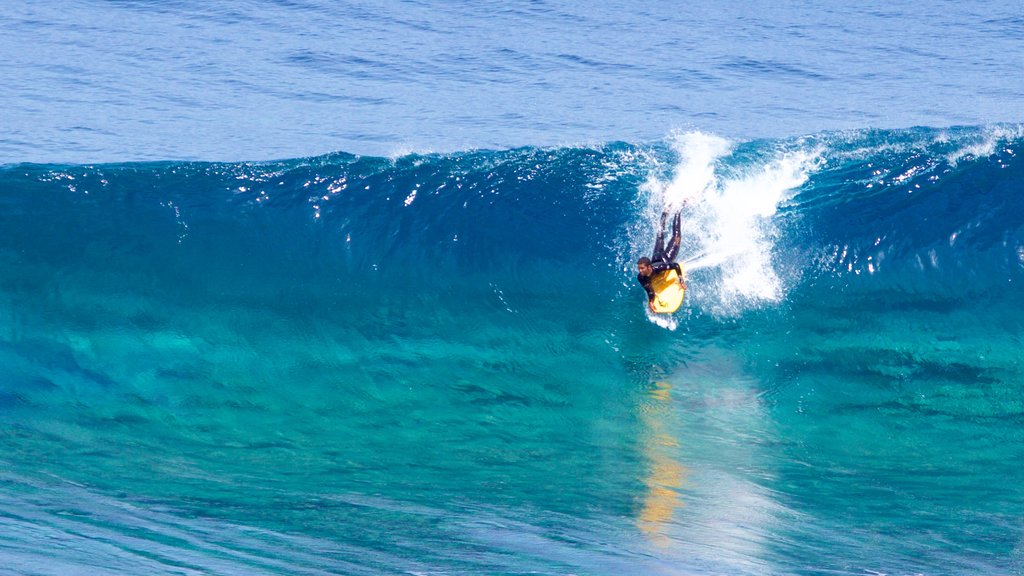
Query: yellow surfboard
x,y
668,294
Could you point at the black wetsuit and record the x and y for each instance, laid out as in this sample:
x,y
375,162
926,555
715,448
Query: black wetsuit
x,y
663,257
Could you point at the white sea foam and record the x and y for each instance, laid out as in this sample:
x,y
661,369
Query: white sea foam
x,y
664,321
728,225
694,177
987,144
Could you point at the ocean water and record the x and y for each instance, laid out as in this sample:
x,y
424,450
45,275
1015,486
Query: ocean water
x,y
312,288
120,80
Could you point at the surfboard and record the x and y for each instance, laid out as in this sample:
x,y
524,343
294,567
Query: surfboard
x,y
668,294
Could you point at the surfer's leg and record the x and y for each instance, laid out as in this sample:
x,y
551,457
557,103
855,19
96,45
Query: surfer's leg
x,y
659,243
673,247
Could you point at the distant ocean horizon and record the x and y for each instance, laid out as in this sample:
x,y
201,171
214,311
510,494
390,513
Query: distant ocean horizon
x,y
298,287
88,81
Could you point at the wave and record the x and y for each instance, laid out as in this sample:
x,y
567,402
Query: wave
x,y
913,211
341,346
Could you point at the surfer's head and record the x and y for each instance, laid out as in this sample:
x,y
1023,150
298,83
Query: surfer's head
x,y
643,265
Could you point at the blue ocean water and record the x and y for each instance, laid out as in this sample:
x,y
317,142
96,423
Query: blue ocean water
x,y
113,81
440,364
348,288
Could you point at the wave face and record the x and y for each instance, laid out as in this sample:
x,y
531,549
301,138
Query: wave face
x,y
442,363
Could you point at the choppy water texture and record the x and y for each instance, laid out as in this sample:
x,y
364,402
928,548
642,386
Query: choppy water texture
x,y
440,364
113,81
245,329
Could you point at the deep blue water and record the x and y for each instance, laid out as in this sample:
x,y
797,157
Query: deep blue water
x,y
311,288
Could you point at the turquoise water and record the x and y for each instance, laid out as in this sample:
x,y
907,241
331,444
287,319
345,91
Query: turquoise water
x,y
440,364
304,287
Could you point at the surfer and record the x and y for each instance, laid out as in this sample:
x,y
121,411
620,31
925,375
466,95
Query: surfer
x,y
662,259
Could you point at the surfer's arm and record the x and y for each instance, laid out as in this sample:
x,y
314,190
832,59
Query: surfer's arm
x,y
657,267
679,272
646,283
662,266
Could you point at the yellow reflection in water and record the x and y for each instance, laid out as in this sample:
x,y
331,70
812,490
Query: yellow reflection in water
x,y
666,475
